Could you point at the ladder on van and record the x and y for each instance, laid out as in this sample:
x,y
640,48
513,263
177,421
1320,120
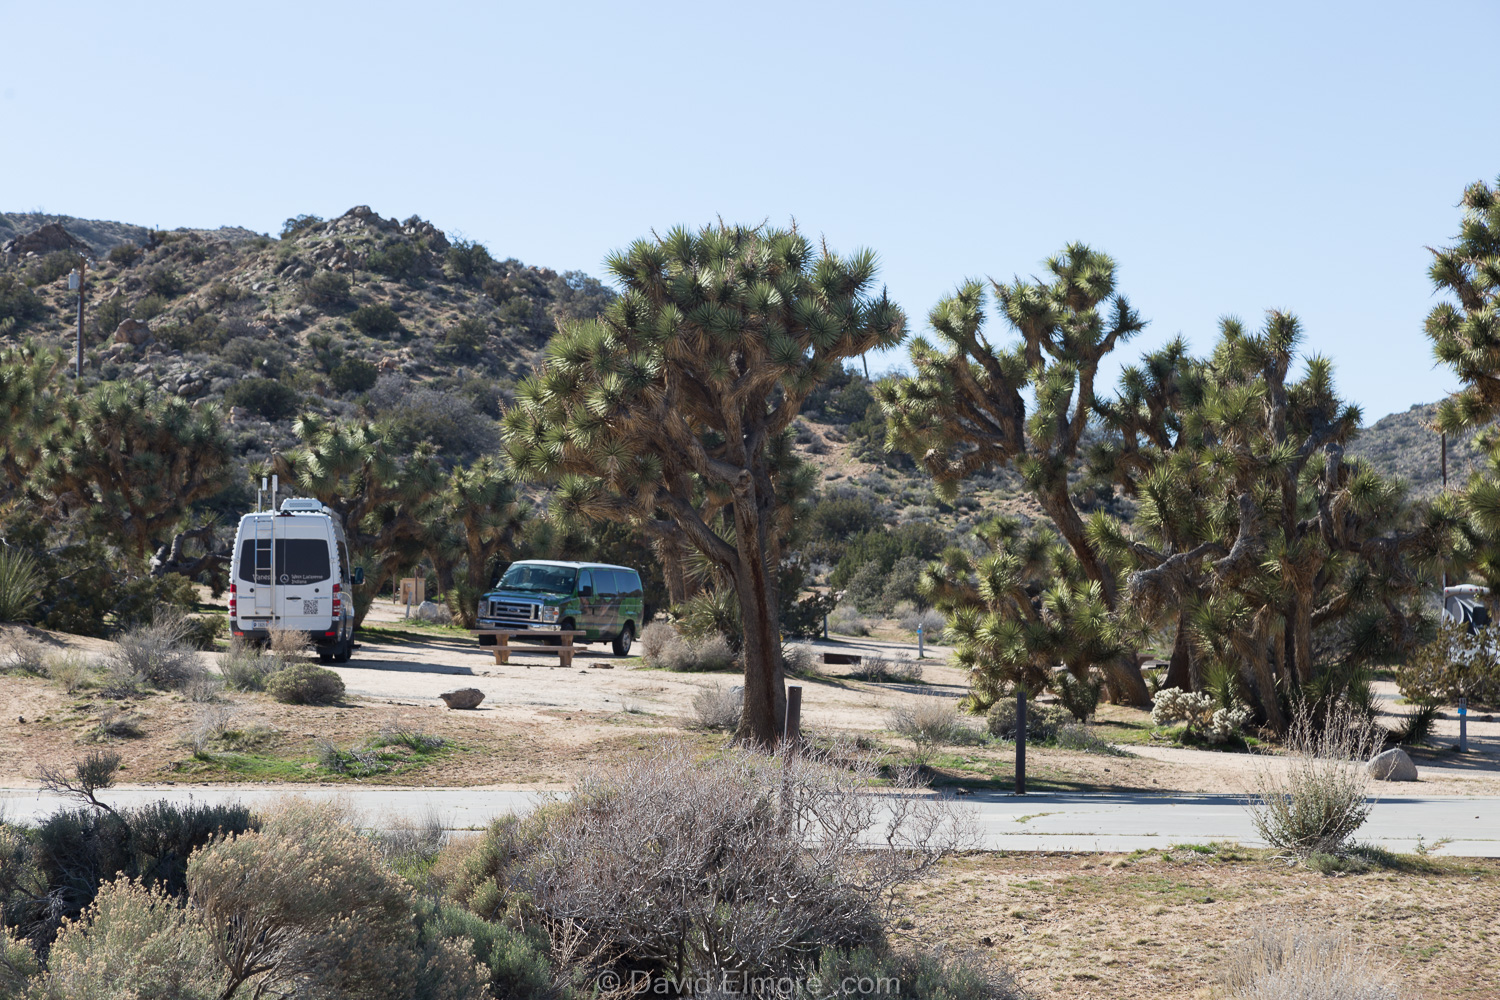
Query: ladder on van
x,y
265,565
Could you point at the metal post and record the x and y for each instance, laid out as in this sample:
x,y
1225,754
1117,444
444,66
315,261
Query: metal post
x,y
825,628
1444,438
78,362
792,734
1020,740
1463,725
921,646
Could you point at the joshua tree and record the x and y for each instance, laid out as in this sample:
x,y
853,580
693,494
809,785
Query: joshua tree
x,y
676,404
482,503
131,462
1465,333
966,407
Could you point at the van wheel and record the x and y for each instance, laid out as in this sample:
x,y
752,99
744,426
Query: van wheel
x,y
624,639
344,651
325,656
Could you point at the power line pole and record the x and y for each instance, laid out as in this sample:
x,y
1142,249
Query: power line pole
x,y
75,280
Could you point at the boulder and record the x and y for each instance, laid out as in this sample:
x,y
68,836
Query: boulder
x,y
1393,765
133,332
47,239
430,611
463,698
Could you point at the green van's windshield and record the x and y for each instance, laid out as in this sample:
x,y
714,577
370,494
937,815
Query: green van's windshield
x,y
542,579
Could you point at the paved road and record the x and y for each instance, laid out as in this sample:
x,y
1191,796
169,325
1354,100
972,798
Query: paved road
x,y
1046,821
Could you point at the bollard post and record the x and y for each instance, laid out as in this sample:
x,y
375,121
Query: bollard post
x,y
921,646
792,734
1020,740
825,628
1463,725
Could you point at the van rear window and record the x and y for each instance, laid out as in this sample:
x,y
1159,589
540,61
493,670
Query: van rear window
x,y
298,561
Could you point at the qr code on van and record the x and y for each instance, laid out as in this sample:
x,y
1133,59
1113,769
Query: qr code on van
x,y
309,607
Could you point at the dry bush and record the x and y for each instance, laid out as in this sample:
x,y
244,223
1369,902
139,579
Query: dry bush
x,y
1303,963
932,623
880,670
133,941
157,654
306,907
1319,800
245,668
846,620
800,661
654,639
71,670
211,723
301,683
21,654
671,651
289,645
1043,721
930,723
741,861
718,707
116,724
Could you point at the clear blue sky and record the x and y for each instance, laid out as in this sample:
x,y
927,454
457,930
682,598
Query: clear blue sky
x,y
1232,157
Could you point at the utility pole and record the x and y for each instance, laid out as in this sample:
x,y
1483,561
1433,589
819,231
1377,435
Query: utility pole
x,y
1443,437
75,280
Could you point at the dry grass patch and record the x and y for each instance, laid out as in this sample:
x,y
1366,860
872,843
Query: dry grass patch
x,y
1163,925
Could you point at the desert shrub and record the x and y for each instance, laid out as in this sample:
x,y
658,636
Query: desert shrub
x,y
1315,803
462,340
1079,695
444,419
930,620
18,303
654,639
1416,726
679,653
356,762
710,612
114,723
375,320
725,878
1290,962
21,581
881,670
290,645
297,223
718,707
396,259
158,654
133,941
1201,711
21,654
74,851
18,964
164,282
846,620
326,290
211,723
517,959
70,670
221,293
883,547
1042,721
800,661
305,684
53,266
1073,736
1455,664
325,913
929,723
467,262
354,375
245,668
271,398
917,975
149,307
125,254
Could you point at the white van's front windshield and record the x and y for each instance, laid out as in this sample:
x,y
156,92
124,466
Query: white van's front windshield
x,y
541,579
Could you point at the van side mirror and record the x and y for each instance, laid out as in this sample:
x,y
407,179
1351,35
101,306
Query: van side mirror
x,y
358,576
585,591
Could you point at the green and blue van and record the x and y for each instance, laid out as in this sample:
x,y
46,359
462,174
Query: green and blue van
x,y
603,601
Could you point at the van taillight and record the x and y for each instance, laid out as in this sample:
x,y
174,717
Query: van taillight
x,y
231,601
337,601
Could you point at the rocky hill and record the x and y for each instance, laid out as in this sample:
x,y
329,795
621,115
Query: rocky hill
x,y
359,315
1405,445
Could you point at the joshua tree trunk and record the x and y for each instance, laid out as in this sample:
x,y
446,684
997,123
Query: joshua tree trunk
x,y
755,585
1180,667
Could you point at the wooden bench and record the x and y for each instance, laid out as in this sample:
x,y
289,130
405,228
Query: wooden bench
x,y
503,648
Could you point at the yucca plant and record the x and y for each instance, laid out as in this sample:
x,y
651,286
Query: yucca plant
x,y
675,406
21,582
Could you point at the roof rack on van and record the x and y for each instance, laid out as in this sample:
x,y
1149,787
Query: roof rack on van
x,y
302,503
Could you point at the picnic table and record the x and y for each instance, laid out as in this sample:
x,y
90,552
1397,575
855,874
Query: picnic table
x,y
502,647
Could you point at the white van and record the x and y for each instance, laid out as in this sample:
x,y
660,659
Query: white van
x,y
291,571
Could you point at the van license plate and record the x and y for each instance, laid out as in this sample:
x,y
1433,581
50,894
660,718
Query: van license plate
x,y
309,607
